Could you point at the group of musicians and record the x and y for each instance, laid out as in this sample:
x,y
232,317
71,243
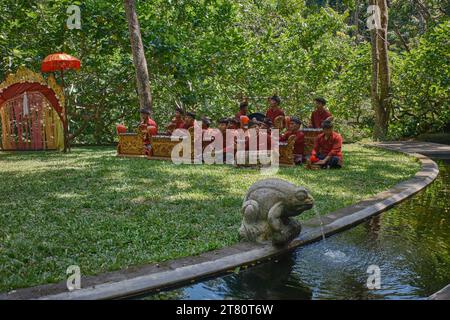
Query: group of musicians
x,y
327,151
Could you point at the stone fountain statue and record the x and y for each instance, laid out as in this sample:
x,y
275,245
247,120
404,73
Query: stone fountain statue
x,y
268,208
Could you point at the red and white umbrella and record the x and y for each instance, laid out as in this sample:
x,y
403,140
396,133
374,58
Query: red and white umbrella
x,y
59,62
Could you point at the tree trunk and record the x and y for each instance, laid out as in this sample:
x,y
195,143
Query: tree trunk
x,y
142,77
381,77
356,20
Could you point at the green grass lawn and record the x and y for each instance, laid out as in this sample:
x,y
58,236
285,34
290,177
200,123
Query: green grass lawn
x,y
92,209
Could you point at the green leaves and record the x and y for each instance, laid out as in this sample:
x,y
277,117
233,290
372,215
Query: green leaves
x,y
205,53
421,84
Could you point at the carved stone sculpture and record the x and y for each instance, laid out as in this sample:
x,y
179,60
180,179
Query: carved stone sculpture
x,y
268,209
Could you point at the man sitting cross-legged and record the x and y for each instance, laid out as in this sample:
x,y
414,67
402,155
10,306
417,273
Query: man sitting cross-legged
x,y
299,146
327,151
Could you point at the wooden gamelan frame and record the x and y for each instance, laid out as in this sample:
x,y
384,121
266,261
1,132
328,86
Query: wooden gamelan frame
x,y
132,145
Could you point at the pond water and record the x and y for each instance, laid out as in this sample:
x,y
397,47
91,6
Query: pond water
x,y
410,244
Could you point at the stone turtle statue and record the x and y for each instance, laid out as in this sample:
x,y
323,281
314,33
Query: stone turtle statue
x,y
268,208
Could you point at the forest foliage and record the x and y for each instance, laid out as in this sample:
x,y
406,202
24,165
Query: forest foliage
x,y
206,54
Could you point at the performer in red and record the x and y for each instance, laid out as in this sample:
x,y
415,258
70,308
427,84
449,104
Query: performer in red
x,y
233,124
252,134
206,123
222,125
230,138
243,109
327,150
274,110
149,128
320,114
299,146
189,120
177,122
264,135
266,124
244,121
265,131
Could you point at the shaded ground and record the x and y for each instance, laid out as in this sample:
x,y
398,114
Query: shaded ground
x,y
104,213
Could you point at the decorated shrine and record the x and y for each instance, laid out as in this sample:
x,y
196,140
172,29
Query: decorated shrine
x,y
31,110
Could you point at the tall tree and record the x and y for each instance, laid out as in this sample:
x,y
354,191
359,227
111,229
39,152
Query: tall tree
x,y
381,77
142,77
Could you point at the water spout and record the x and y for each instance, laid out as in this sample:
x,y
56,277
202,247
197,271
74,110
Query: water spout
x,y
321,222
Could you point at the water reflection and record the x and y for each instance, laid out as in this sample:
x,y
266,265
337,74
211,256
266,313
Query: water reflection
x,y
410,244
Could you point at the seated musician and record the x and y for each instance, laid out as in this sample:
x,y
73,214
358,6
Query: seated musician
x,y
287,123
148,127
264,134
243,109
229,136
189,120
233,124
299,146
244,121
320,114
252,124
177,122
274,110
327,150
223,125
256,138
206,123
266,124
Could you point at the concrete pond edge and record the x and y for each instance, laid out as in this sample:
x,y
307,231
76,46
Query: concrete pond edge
x,y
443,294
138,280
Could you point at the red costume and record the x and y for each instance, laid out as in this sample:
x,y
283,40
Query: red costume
x,y
272,114
331,147
231,144
264,135
151,127
299,146
239,114
121,129
152,123
318,116
178,123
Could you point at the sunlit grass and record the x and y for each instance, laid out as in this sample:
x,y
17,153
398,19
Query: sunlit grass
x,y
103,213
